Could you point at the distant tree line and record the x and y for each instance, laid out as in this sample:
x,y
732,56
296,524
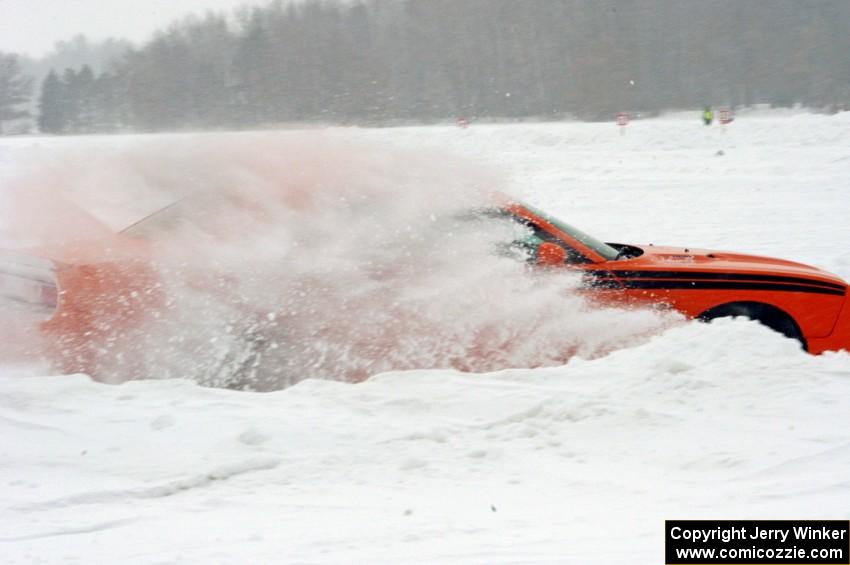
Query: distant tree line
x,y
80,102
375,61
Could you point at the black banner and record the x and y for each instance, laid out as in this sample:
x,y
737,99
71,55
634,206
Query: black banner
x,y
757,542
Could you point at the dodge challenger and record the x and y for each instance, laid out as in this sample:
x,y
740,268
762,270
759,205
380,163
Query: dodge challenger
x,y
82,299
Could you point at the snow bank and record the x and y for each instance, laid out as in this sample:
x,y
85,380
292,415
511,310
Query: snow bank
x,y
725,420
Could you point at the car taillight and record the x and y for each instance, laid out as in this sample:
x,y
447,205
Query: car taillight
x,y
28,281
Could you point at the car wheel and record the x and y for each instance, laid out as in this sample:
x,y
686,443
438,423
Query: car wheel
x,y
765,314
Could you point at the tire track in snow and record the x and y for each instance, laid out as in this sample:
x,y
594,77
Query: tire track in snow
x,y
222,473
72,531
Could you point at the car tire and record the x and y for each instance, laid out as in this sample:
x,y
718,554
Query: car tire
x,y
765,314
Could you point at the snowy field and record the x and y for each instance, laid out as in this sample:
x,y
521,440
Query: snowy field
x,y
573,464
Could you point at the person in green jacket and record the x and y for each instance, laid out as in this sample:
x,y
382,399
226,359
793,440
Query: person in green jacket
x,y
707,115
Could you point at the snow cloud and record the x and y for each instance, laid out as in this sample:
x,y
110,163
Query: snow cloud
x,y
298,255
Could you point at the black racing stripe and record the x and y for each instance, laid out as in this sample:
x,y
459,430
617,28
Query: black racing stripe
x,y
600,279
724,276
599,274
728,285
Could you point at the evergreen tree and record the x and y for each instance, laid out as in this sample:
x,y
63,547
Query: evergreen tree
x,y
71,92
86,117
109,101
52,116
253,70
15,89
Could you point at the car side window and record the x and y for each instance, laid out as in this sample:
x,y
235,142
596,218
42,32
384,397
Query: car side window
x,y
541,235
527,237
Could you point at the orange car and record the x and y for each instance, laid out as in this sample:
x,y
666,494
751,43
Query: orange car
x,y
87,302
800,301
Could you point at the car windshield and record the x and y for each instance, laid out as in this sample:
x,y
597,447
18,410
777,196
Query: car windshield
x,y
601,248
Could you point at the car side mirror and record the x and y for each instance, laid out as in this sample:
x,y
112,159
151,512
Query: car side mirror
x,y
551,254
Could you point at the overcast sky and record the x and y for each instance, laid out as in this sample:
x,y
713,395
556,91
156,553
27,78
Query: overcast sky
x,y
33,26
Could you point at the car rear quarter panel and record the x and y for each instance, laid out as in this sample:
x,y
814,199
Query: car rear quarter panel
x,y
98,305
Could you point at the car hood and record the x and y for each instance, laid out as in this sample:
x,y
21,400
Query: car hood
x,y
710,261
